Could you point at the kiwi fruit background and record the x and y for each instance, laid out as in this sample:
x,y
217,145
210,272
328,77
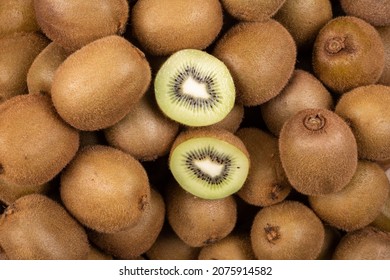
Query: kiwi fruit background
x,y
374,12
384,32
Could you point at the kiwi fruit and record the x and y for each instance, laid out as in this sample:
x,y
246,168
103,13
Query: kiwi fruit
x,y
358,203
96,254
365,109
37,228
261,58
197,221
136,240
209,163
382,221
180,26
252,10
266,183
374,12
233,119
331,240
136,132
41,72
318,151
288,230
105,189
368,243
303,19
303,91
18,51
77,23
36,143
96,86
194,88
384,32
348,52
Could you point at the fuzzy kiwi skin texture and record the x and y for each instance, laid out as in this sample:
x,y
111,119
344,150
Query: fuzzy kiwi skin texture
x,y
287,231
96,86
183,25
358,203
368,243
331,240
197,221
96,254
347,53
374,12
318,152
384,32
77,23
18,51
233,120
261,58
37,228
266,183
366,111
105,189
303,91
44,155
136,240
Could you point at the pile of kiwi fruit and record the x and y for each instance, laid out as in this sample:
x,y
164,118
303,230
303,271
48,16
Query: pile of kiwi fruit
x,y
194,130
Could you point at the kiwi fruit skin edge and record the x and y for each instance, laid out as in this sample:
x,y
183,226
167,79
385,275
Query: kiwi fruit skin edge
x,y
374,12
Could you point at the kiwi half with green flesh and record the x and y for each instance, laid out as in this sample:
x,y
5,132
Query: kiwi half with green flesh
x,y
209,163
78,23
36,227
318,151
36,143
303,91
358,203
366,111
266,183
287,230
18,51
384,32
96,86
117,192
347,53
194,88
368,243
260,56
183,24
374,12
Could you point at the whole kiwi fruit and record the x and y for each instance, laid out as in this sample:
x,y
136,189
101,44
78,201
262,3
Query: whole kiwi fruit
x,y
374,12
384,32
348,52
233,119
331,240
37,228
318,151
96,86
105,189
73,24
261,58
36,143
183,24
288,230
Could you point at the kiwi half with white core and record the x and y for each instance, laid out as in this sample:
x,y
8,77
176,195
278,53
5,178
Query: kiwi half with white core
x,y
194,88
209,163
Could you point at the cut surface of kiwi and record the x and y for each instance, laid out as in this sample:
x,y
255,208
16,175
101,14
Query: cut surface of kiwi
x,y
194,88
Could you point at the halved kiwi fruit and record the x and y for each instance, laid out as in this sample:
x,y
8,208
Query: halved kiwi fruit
x,y
209,163
194,88
374,12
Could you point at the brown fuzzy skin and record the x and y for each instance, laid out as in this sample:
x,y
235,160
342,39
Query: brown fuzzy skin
x,y
366,110
382,221
183,25
131,243
36,143
95,254
303,91
18,51
96,86
364,244
105,189
38,228
75,23
374,12
358,203
252,10
145,133
332,238
348,52
287,231
261,58
41,72
233,120
304,18
266,183
318,152
196,221
384,32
